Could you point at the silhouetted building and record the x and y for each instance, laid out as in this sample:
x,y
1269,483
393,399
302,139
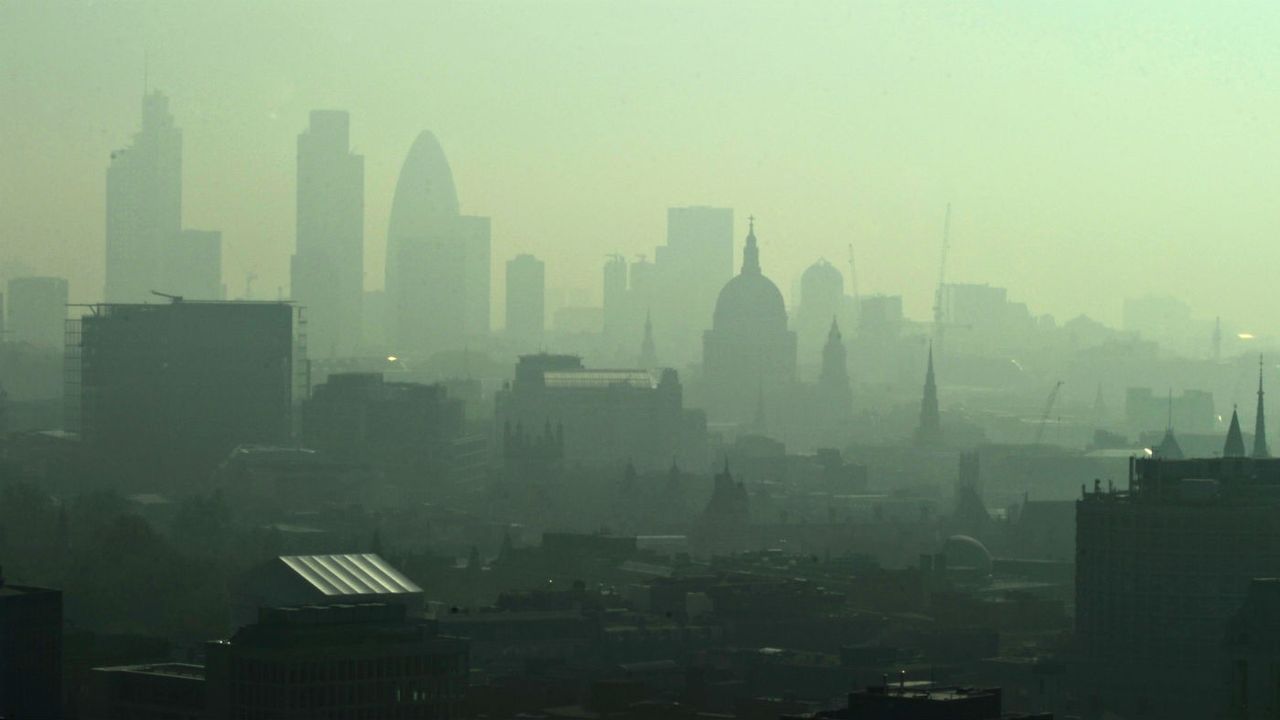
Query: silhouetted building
x,y
834,393
821,299
366,659
607,417
177,386
172,691
929,431
192,266
412,431
724,525
748,346
37,311
526,301
1233,447
327,272
144,204
30,651
617,302
1160,568
437,259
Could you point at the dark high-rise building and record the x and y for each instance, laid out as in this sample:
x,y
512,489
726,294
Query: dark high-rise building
x,y
328,264
526,301
37,311
179,385
30,651
437,259
193,266
173,691
929,431
748,347
1160,569
144,204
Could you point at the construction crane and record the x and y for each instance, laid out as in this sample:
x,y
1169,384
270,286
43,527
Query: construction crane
x,y
938,319
1048,409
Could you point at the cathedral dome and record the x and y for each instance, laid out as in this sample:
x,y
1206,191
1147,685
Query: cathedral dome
x,y
750,303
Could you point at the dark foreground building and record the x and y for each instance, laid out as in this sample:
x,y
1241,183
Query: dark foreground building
x,y
178,385
1161,568
30,652
367,660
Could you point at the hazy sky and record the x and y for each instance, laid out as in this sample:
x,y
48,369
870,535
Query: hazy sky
x,y
1091,150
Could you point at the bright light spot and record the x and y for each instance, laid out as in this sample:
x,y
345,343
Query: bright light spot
x,y
1245,336
392,358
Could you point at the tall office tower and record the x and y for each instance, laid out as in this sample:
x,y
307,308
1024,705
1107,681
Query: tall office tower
x,y
144,203
437,272
38,311
1161,569
327,272
821,299
193,266
177,386
526,301
693,266
30,651
617,301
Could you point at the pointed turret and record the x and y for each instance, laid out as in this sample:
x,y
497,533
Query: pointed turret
x,y
833,383
1260,422
929,432
648,352
751,253
1234,446
1169,449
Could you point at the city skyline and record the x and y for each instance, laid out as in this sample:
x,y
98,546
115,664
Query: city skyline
x,y
1025,217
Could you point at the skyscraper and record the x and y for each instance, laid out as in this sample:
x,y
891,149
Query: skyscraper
x,y
526,301
437,271
328,265
144,204
692,267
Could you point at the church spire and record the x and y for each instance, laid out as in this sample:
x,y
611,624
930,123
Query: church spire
x,y
751,253
929,431
1234,446
1260,422
648,351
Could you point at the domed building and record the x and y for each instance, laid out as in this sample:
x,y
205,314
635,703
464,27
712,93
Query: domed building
x,y
821,298
748,355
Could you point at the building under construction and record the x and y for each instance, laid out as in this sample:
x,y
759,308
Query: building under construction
x,y
159,389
